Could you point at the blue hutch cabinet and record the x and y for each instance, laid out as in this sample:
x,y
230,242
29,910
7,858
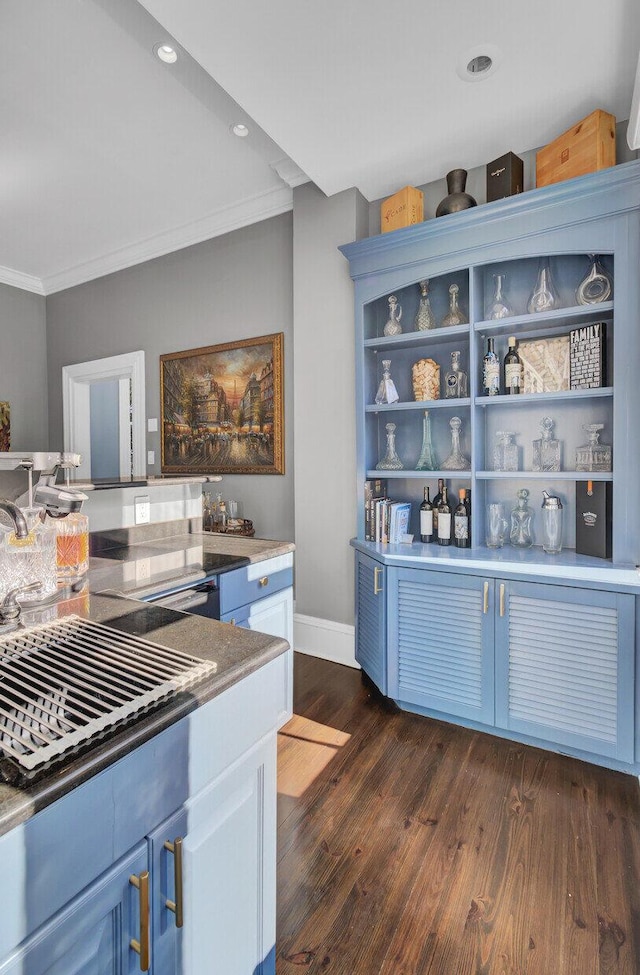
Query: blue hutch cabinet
x,y
540,648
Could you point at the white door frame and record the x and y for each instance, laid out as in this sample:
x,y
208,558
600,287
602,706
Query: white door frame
x,y
76,382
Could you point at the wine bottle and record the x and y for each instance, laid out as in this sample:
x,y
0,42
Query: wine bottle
x,y
436,502
444,520
513,369
461,522
426,518
490,371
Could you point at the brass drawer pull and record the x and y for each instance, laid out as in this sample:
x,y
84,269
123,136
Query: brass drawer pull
x,y
502,588
141,947
376,587
177,905
264,581
485,605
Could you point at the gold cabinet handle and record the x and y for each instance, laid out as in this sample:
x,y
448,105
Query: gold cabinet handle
x,y
377,573
177,905
485,602
264,581
502,587
141,947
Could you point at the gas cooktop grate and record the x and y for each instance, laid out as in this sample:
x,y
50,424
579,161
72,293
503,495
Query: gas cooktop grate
x,y
65,682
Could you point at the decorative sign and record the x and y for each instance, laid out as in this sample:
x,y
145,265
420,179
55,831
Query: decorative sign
x,y
587,356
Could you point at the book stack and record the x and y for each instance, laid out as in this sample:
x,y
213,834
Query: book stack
x,y
385,520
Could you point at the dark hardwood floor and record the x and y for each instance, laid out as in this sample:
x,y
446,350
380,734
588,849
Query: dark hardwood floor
x,y
413,847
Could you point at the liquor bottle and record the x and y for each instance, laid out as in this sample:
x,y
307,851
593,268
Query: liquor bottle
x,y
455,379
444,520
436,502
513,369
461,522
490,371
426,518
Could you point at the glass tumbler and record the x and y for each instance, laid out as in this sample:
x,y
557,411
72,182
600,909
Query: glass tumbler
x,y
72,544
496,525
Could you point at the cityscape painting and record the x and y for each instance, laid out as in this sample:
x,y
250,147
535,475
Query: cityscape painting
x,y
222,408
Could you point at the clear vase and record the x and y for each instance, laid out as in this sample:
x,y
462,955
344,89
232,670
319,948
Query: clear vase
x,y
456,315
390,461
387,392
427,459
544,296
456,461
424,317
498,307
393,326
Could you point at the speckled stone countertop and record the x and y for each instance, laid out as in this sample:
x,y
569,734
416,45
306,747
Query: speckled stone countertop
x,y
236,652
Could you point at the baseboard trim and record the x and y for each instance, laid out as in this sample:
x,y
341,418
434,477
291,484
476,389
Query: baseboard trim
x,y
325,639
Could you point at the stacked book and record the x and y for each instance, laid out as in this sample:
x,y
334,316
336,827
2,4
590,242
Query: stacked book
x,y
385,520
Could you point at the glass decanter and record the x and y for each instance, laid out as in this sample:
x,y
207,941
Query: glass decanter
x,y
596,286
387,392
546,450
521,535
505,452
427,458
456,461
390,461
393,326
455,315
455,379
593,455
498,307
544,296
424,318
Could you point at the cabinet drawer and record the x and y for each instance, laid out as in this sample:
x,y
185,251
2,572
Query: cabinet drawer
x,y
243,586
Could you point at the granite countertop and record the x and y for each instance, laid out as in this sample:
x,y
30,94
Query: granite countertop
x,y
236,652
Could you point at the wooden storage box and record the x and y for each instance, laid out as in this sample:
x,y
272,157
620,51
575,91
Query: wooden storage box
x,y
402,209
588,146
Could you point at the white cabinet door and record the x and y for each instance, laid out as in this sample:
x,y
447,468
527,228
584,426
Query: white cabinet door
x,y
229,870
274,615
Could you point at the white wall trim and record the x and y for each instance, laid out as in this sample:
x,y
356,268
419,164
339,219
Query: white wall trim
x,y
223,221
18,279
325,638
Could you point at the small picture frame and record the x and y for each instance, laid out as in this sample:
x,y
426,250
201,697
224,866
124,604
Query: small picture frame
x,y
545,364
587,356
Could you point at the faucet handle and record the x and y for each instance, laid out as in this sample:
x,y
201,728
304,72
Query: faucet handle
x,y
10,608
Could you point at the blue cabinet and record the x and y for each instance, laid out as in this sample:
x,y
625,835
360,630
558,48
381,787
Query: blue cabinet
x,y
441,639
371,619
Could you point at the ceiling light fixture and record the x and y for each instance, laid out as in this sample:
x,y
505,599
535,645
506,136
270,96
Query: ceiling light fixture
x,y
166,53
478,63
240,129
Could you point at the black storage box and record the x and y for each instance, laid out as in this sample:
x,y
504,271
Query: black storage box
x,y
593,518
504,177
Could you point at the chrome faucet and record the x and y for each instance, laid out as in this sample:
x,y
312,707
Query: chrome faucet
x,y
16,516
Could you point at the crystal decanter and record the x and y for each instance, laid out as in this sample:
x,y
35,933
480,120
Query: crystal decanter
x,y
424,318
546,450
455,379
521,535
455,315
593,455
456,461
393,326
505,452
390,461
498,307
596,286
544,296
387,392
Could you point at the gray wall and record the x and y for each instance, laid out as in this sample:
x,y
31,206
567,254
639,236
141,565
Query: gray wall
x,y
232,287
23,367
325,478
104,421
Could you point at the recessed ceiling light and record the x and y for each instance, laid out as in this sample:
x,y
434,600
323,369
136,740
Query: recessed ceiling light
x,y
240,129
166,53
479,62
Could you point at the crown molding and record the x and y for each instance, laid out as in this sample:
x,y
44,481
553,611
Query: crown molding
x,y
289,173
17,279
223,221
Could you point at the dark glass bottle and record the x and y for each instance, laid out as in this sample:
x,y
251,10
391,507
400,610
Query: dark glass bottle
x,y
461,533
490,371
513,369
436,502
444,520
426,518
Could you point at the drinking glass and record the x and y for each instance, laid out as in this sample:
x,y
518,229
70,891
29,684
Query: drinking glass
x,y
496,525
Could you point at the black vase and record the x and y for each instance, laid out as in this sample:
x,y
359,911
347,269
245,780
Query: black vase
x,y
457,198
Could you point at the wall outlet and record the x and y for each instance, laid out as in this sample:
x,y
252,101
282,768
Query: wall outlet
x,y
142,509
143,570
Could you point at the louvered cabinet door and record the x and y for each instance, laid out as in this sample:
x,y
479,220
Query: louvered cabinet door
x,y
441,642
564,666
371,619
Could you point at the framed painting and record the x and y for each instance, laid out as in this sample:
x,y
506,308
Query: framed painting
x,y
222,408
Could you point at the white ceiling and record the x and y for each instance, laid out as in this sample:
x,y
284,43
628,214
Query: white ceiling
x,y
108,157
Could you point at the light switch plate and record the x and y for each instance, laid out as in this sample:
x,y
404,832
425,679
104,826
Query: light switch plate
x,y
152,425
142,510
151,457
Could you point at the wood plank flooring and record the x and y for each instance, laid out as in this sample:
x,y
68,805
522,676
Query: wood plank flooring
x,y
412,847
